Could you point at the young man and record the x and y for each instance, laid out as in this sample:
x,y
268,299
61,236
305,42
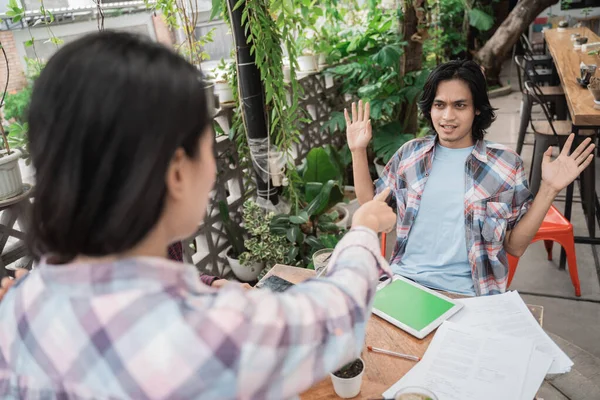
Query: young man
x,y
462,202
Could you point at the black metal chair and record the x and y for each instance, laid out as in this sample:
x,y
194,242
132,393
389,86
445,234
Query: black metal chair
x,y
552,95
550,132
540,60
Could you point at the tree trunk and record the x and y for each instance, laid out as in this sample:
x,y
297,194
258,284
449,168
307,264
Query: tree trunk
x,y
414,31
495,51
251,93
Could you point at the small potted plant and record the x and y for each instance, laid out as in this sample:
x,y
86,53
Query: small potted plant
x,y
11,181
594,88
307,62
263,247
348,379
223,81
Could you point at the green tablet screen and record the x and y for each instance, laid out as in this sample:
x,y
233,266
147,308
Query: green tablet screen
x,y
410,305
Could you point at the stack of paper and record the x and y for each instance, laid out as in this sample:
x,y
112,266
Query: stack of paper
x,y
493,348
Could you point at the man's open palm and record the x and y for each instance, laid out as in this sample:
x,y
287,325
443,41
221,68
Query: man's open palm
x,y
358,129
558,174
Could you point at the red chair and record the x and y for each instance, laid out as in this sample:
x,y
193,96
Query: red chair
x,y
555,228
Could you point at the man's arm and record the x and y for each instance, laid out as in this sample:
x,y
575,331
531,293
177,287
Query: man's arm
x,y
358,134
362,177
556,175
517,240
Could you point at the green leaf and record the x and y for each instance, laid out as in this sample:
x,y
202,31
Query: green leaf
x,y
388,56
313,242
320,167
480,19
299,219
293,233
29,43
330,195
388,139
312,190
292,254
216,9
336,123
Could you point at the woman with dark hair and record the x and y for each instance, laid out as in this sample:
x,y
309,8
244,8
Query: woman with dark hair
x,y
121,140
463,202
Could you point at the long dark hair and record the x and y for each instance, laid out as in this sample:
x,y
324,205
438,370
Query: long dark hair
x,y
470,73
106,116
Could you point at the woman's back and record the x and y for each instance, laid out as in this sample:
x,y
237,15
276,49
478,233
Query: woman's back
x,y
146,328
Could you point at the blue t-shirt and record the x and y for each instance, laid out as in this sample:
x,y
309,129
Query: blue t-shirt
x,y
436,248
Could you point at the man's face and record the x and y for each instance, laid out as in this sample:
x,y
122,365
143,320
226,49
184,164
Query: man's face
x,y
452,114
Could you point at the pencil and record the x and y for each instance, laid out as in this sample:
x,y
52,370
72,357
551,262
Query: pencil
x,y
393,353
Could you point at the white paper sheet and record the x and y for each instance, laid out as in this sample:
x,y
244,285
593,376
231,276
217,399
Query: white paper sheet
x,y
508,314
538,367
464,363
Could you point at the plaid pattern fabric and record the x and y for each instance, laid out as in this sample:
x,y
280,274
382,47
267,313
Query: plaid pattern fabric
x,y
146,328
175,253
496,198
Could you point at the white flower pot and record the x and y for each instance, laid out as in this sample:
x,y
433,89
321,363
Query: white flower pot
x,y
322,59
224,91
351,206
348,388
287,74
245,273
307,63
209,90
11,182
379,166
342,212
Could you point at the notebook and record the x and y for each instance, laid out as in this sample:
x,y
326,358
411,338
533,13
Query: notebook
x,y
412,307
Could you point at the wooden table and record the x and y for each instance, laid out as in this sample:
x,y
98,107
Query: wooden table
x,y
381,371
585,114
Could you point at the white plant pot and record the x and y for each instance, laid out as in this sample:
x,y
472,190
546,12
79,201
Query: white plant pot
x,y
245,273
11,182
379,166
307,63
224,91
209,90
351,206
342,212
348,388
322,59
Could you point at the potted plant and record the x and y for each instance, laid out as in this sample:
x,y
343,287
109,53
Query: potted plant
x,y
314,227
254,246
263,247
235,236
348,379
11,181
223,82
594,88
306,60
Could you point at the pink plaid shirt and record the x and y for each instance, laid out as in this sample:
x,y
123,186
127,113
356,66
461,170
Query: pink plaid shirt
x,y
496,197
147,328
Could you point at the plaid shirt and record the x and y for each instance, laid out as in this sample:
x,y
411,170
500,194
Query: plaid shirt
x,y
146,328
496,198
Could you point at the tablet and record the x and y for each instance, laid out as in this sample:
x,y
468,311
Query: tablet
x,y
412,307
